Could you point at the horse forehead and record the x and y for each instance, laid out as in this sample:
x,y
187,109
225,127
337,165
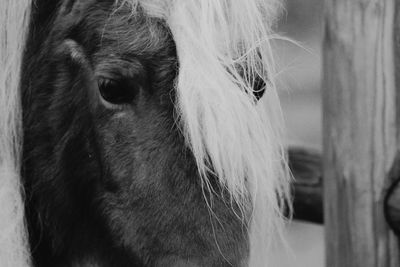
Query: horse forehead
x,y
119,28
147,36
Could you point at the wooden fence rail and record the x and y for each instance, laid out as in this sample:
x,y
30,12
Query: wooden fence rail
x,y
306,166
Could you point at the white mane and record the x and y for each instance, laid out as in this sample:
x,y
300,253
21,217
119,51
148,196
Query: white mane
x,y
14,19
223,45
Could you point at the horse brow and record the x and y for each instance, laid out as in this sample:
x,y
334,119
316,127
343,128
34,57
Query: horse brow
x,y
116,67
75,52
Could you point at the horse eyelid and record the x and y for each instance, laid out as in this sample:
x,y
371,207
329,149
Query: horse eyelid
x,y
117,93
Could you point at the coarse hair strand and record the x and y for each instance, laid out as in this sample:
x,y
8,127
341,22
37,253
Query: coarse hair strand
x,y
14,21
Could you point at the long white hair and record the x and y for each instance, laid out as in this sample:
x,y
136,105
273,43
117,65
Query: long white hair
x,y
14,20
223,48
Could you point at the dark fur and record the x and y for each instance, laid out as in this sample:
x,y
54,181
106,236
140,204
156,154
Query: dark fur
x,y
106,189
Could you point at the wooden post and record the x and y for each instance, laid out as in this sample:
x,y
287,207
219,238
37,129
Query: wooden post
x,y
361,126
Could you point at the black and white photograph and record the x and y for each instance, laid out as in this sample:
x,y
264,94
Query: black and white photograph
x,y
199,133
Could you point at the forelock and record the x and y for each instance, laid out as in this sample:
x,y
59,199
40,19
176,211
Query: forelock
x,y
223,46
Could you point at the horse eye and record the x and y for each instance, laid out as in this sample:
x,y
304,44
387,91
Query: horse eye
x,y
259,87
117,91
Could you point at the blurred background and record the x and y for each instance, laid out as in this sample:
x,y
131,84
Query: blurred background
x,y
299,79
299,67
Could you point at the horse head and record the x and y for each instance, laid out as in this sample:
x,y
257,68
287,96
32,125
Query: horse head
x,y
143,142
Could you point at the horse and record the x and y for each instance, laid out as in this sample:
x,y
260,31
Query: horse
x,y
134,133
